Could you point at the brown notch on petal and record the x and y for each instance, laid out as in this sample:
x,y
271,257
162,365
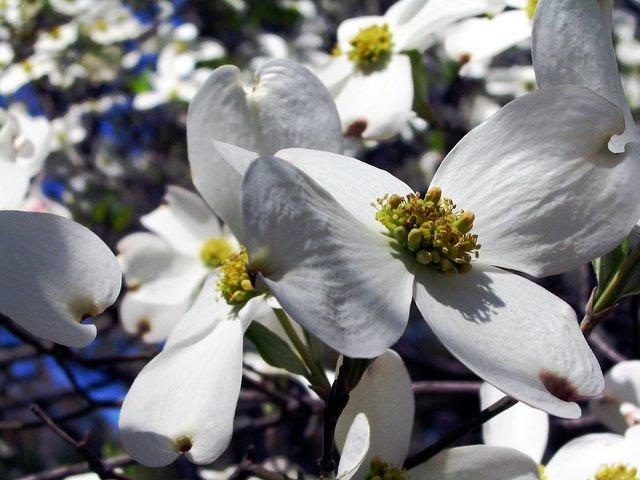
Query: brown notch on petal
x,y
559,386
83,308
464,58
143,326
183,444
356,129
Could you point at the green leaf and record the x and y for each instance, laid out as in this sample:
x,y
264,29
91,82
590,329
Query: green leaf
x,y
315,347
605,267
275,351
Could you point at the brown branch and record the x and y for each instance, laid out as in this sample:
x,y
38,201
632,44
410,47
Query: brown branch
x,y
448,387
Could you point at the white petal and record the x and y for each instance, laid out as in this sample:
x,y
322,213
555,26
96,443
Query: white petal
x,y
154,321
587,57
353,184
348,29
477,462
385,396
582,457
547,194
149,100
332,274
521,427
355,448
418,32
143,256
335,73
185,395
287,106
621,385
54,272
14,183
185,221
377,104
513,334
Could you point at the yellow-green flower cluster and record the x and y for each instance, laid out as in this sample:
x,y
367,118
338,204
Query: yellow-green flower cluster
x,y
371,45
215,251
380,470
616,472
432,229
235,282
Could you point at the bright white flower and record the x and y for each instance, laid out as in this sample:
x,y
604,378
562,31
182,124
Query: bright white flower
x,y
619,406
19,74
474,42
71,7
371,441
521,427
512,81
57,39
32,139
165,269
111,22
370,77
311,222
597,456
67,130
275,464
6,54
55,274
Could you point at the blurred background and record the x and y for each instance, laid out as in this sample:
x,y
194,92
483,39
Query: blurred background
x,y
100,90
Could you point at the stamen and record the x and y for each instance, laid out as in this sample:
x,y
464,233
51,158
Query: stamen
x,y
371,45
380,470
215,251
616,472
542,475
235,282
432,229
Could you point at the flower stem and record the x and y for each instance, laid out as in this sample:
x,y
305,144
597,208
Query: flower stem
x,y
317,374
610,293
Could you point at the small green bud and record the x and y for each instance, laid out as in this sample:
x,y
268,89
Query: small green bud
x,y
423,257
414,239
400,234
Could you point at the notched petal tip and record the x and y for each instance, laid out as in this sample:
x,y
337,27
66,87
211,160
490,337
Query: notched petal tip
x,y
559,386
82,309
356,129
183,444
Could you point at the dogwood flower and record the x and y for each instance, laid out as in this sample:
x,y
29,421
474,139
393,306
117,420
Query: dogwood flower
x,y
619,406
344,246
370,78
165,269
71,7
475,41
373,444
110,22
57,39
184,400
55,274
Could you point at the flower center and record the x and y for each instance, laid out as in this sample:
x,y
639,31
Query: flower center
x,y
380,470
215,251
542,475
371,45
235,282
616,472
531,8
432,229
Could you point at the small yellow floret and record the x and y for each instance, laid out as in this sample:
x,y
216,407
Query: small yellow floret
x,y
531,8
616,472
215,251
432,229
541,473
380,470
235,282
371,45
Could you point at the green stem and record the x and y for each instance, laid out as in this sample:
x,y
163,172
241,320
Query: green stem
x,y
610,293
316,372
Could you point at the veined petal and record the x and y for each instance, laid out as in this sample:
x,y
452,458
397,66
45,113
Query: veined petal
x,y
353,184
184,400
184,221
582,457
55,272
332,274
287,106
365,112
418,32
355,448
547,194
385,396
587,56
521,427
143,256
513,334
621,386
152,321
14,183
477,462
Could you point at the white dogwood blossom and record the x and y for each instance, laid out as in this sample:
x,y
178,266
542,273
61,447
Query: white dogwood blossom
x,y
370,76
373,444
619,406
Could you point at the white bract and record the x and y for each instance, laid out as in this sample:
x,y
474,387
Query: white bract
x,y
371,443
110,22
370,77
55,274
165,269
313,236
619,406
